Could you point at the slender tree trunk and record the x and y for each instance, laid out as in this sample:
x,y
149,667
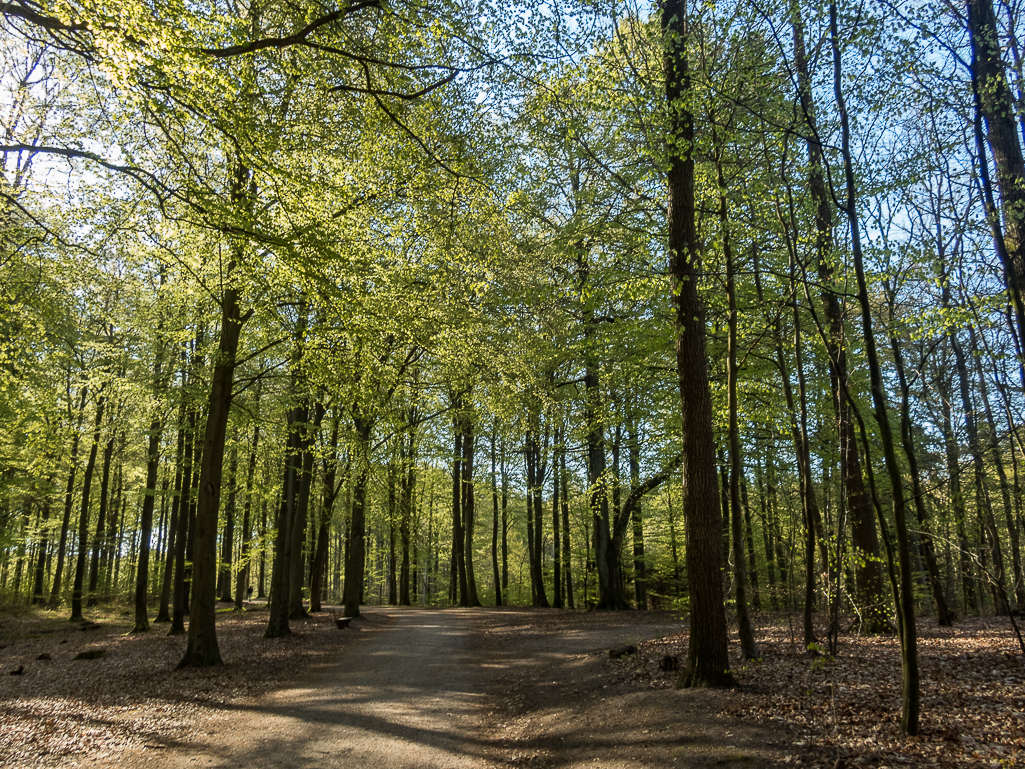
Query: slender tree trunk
x,y
393,512
83,520
101,519
748,646
865,537
943,615
277,622
261,588
39,578
495,523
756,600
296,576
69,500
767,537
535,511
469,511
146,516
984,510
529,457
408,471
505,522
355,550
564,477
557,600
1010,508
184,529
171,545
637,519
956,496
1001,593
224,580
242,575
909,635
318,569
457,577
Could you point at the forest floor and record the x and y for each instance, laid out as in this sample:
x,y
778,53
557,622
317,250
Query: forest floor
x,y
506,687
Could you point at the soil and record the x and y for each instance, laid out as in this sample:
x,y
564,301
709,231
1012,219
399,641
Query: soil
x,y
398,688
497,688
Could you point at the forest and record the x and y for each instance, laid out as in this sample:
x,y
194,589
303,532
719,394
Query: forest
x,y
714,307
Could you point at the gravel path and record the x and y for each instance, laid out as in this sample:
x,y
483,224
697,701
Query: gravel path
x,y
404,694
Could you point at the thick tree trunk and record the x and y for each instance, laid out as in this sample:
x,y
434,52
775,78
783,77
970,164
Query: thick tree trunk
x,y
994,101
707,659
202,649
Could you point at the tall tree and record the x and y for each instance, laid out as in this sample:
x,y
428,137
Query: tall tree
x,y
707,660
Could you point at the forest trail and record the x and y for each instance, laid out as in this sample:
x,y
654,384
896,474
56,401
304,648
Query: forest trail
x,y
404,694
467,688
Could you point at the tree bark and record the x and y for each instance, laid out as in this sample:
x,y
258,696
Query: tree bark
x,y
707,659
355,550
69,500
748,646
242,574
868,570
557,600
224,580
469,510
906,608
202,648
564,477
995,103
83,519
101,519
943,615
496,571
149,499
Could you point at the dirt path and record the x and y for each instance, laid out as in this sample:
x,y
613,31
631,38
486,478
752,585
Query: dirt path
x,y
405,693
470,688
